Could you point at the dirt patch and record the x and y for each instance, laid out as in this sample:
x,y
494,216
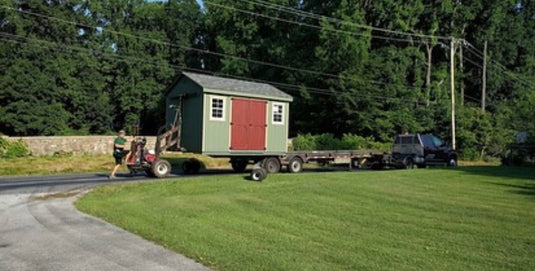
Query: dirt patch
x,y
59,195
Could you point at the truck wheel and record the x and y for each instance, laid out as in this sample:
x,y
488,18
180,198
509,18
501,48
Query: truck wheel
x,y
295,165
161,168
409,164
258,174
272,165
452,162
239,165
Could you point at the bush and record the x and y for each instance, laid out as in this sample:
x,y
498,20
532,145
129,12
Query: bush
x,y
310,142
327,142
304,143
13,149
470,154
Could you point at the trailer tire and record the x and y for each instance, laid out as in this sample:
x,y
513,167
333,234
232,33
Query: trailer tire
x,y
272,165
295,165
239,165
161,168
409,163
258,174
452,162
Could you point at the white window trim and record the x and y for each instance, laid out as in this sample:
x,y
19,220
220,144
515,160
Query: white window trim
x,y
282,114
212,104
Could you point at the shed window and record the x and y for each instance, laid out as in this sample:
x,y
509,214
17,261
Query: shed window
x,y
217,108
278,113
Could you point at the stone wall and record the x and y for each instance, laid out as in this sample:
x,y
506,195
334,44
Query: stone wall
x,y
78,145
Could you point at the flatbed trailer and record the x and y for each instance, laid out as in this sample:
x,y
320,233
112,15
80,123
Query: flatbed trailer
x,y
351,158
293,161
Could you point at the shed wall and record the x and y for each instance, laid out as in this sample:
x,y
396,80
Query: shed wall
x,y
203,134
192,113
216,137
277,133
217,134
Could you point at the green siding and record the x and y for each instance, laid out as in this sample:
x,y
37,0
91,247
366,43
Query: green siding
x,y
277,133
201,134
216,132
192,113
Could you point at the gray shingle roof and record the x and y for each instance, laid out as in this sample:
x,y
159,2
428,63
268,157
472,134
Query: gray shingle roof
x,y
245,88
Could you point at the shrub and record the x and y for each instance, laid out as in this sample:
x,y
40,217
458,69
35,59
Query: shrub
x,y
304,143
13,149
470,154
327,142
310,142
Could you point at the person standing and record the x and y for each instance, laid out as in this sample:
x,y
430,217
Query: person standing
x,y
118,152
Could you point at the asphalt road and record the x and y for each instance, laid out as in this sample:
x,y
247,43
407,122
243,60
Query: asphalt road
x,y
41,230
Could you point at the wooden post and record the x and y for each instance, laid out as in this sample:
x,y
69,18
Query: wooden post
x,y
484,83
452,75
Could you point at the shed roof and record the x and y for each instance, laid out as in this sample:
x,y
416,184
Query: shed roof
x,y
223,85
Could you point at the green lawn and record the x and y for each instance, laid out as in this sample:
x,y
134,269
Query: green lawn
x,y
38,165
469,218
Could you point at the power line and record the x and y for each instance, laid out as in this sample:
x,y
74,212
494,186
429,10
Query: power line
x,y
495,63
473,49
182,46
335,20
103,29
369,35
56,46
473,62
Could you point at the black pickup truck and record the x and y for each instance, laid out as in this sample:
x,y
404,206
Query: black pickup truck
x,y
419,150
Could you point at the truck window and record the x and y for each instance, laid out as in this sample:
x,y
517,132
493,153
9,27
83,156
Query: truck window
x,y
406,140
428,141
437,142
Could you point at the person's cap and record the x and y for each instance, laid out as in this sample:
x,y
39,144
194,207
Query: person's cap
x,y
122,132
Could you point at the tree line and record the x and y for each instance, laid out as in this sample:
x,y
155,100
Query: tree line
x,y
370,68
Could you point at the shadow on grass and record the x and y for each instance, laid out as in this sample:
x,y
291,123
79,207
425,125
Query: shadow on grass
x,y
525,173
525,189
518,180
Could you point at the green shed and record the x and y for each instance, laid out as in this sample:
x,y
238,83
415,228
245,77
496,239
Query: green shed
x,y
224,117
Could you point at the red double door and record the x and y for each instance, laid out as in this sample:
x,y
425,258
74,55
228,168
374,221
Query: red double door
x,y
248,124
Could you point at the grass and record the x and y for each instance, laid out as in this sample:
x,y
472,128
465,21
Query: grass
x,y
38,165
469,218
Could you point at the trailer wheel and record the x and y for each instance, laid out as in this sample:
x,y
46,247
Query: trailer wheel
x,y
161,168
191,166
295,165
452,162
259,174
409,164
272,165
239,165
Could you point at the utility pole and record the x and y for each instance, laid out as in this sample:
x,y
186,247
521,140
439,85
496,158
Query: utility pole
x,y
461,67
452,75
484,83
